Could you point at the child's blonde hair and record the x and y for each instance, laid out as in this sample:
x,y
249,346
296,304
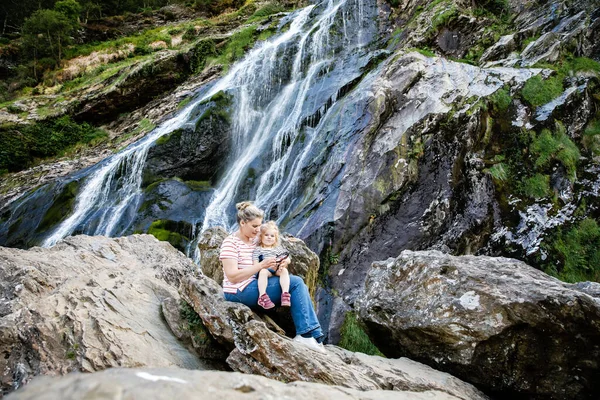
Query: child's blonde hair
x,y
271,225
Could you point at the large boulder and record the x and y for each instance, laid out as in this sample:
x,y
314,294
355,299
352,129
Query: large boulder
x,y
173,383
495,322
255,349
87,304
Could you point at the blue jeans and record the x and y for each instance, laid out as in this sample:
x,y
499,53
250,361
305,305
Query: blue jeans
x,y
303,312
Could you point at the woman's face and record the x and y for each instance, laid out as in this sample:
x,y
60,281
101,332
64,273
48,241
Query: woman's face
x,y
269,237
250,228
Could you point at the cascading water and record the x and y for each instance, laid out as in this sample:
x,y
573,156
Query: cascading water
x,y
281,92
319,69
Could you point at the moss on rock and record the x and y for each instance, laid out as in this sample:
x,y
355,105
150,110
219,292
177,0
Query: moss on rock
x,y
61,208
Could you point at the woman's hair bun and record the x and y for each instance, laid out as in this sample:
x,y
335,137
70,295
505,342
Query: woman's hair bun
x,y
247,211
243,205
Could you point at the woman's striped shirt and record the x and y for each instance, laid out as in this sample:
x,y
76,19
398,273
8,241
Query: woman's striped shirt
x,y
234,248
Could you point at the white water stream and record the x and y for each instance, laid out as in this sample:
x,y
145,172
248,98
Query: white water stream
x,y
266,114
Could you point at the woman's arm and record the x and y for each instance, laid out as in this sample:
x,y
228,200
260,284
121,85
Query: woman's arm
x,y
236,275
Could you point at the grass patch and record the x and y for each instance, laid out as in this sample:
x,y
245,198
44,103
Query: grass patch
x,y
536,187
501,100
591,137
184,102
577,253
548,146
354,337
199,186
237,46
538,91
498,171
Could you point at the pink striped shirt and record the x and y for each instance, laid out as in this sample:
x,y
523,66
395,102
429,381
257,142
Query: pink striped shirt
x,y
234,248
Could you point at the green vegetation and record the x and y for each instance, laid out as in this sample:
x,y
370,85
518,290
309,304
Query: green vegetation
x,y
201,52
184,102
591,137
576,252
498,172
199,186
170,231
538,91
536,186
354,337
21,145
175,136
194,324
237,46
444,18
550,146
61,207
501,100
266,10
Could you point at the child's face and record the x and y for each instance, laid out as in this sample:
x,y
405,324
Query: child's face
x,y
269,237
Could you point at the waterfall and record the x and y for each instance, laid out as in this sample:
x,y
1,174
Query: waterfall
x,y
281,90
280,122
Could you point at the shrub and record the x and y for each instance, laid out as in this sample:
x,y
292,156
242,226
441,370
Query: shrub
x,y
21,144
538,91
537,186
591,137
354,337
501,100
578,252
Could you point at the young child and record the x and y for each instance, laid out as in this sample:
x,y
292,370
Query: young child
x,y
267,247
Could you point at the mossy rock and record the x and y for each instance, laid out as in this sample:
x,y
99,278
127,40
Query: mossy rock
x,y
175,232
61,208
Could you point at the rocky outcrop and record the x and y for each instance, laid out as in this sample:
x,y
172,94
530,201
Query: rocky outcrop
x,y
196,153
172,383
495,322
90,303
87,304
256,349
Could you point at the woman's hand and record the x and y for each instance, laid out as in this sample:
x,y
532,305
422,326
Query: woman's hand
x,y
236,275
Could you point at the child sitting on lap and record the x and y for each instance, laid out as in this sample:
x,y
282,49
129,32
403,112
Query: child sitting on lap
x,y
268,247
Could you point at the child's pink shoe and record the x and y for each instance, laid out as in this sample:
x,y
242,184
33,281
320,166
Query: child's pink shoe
x,y
265,302
286,299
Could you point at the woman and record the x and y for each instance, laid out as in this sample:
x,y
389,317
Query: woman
x,y
240,284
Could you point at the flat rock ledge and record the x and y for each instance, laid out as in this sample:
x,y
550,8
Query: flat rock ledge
x,y
498,323
175,383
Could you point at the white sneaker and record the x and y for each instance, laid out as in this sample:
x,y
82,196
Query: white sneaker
x,y
311,342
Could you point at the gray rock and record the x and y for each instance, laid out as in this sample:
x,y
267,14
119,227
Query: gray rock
x,y
495,322
258,350
87,304
209,246
173,383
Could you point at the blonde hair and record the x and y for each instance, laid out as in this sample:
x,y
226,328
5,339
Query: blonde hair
x,y
271,225
248,211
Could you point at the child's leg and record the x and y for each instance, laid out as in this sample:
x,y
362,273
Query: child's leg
x,y
284,280
263,277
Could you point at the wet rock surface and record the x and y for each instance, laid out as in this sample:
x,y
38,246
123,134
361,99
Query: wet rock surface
x,y
172,383
496,322
87,304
